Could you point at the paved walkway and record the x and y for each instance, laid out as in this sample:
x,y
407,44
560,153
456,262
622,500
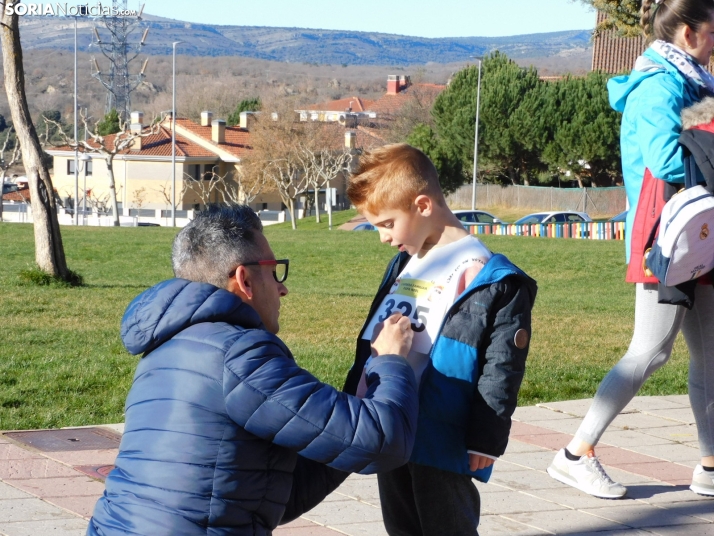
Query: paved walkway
x,y
651,447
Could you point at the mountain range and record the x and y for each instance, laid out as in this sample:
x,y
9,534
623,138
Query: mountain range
x,y
300,45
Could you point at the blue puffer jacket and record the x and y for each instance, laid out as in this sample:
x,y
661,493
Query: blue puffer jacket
x,y
651,99
225,434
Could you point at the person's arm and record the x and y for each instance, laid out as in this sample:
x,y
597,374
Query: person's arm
x,y
312,482
504,361
654,108
270,396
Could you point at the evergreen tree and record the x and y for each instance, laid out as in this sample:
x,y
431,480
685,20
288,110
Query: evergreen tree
x,y
110,124
246,105
448,165
623,15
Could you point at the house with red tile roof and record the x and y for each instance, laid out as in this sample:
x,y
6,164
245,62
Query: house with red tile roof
x,y
143,174
142,171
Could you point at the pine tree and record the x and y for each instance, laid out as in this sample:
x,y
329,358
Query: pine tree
x,y
110,124
622,15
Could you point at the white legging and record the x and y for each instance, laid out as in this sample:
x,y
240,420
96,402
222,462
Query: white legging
x,y
656,326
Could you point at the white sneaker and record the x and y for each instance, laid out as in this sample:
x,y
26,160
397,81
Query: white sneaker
x,y
702,481
586,474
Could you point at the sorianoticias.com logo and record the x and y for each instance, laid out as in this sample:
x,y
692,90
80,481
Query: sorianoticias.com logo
x,y
66,10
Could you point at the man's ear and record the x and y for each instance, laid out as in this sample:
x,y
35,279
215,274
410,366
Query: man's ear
x,y
241,284
424,205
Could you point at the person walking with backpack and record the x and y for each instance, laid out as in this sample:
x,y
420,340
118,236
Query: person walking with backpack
x,y
670,76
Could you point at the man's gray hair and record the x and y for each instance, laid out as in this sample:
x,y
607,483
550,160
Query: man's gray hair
x,y
217,240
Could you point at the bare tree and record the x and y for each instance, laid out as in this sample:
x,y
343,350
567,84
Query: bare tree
x,y
106,146
276,157
49,251
7,162
323,162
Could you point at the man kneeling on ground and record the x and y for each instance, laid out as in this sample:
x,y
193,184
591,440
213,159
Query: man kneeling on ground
x,y
225,434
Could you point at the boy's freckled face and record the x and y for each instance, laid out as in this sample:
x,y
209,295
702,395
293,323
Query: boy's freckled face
x,y
401,229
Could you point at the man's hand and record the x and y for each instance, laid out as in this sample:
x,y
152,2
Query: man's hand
x,y
393,336
477,462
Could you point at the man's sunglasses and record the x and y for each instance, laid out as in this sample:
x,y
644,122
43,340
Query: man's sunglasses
x,y
280,270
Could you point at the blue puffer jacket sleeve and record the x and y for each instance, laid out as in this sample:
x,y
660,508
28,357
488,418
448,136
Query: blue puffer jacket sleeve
x,y
270,396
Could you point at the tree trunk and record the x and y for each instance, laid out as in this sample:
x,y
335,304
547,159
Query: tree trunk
x,y
317,204
291,208
112,189
49,252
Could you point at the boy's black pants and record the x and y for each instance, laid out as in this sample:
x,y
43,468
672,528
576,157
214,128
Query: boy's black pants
x,y
424,501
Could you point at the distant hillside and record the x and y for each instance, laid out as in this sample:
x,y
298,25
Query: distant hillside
x,y
298,45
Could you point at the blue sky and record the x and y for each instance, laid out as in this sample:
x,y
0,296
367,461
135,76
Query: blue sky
x,y
424,18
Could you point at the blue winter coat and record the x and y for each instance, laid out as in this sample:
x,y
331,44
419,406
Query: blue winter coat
x,y
469,389
225,434
651,99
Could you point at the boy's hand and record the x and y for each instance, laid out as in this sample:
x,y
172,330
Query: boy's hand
x,y
477,462
393,336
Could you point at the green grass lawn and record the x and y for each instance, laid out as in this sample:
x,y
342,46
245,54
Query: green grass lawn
x,y
62,363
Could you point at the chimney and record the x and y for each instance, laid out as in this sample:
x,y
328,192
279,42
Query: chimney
x,y
218,131
392,84
350,139
247,120
136,128
206,118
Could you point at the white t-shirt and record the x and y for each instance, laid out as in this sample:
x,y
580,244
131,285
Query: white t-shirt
x,y
425,290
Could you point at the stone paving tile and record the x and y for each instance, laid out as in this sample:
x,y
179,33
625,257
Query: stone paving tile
x,y
492,525
343,512
664,471
64,527
673,452
679,399
662,494
565,426
85,457
621,532
505,465
631,439
566,521
569,497
682,432
14,510
628,479
374,528
701,530
9,451
514,502
651,403
76,486
645,515
576,408
702,510
83,505
536,413
525,480
9,492
552,440
360,488
637,421
515,445
681,415
33,468
533,460
610,455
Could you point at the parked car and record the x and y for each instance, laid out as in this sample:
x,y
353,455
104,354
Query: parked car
x,y
555,217
620,217
476,216
365,227
9,187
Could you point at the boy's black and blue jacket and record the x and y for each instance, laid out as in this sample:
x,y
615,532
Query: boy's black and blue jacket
x,y
469,389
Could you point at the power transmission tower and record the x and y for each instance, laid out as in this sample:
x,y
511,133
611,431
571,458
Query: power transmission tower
x,y
117,80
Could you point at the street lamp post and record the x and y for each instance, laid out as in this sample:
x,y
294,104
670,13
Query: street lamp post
x,y
478,106
86,159
76,141
173,139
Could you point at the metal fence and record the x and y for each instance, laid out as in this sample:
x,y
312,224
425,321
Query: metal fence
x,y
606,201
